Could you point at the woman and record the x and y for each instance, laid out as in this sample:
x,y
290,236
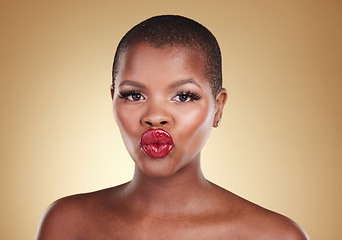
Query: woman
x,y
167,95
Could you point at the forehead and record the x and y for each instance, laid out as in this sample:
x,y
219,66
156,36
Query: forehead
x,y
144,61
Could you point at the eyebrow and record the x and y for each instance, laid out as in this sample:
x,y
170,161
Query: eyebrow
x,y
182,82
132,83
172,85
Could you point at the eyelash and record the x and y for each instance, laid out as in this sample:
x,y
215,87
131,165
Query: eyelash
x,y
126,94
192,95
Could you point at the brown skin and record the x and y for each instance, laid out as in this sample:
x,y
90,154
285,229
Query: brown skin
x,y
168,198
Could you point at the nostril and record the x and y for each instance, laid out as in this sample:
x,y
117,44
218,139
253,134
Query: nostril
x,y
155,123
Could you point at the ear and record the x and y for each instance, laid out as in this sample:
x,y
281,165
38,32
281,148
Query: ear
x,y
221,99
112,91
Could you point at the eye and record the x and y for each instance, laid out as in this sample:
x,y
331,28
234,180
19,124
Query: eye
x,y
186,97
135,97
182,98
132,95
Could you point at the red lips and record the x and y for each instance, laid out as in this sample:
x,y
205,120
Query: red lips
x,y
156,143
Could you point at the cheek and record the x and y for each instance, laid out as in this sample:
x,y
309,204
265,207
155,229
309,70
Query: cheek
x,y
127,119
197,124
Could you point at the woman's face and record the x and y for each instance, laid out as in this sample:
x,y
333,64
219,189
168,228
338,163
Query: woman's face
x,y
165,89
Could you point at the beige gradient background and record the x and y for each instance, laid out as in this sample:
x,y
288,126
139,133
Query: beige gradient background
x,y
279,144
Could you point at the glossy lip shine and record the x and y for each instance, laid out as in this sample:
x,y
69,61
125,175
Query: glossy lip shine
x,y
156,143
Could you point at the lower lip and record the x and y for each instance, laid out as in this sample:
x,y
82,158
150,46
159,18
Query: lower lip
x,y
156,143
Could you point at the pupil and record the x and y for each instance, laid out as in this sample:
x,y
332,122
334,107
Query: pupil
x,y
183,98
136,96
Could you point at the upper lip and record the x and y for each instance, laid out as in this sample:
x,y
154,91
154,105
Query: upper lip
x,y
156,136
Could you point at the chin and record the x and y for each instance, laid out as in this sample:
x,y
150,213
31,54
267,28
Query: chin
x,y
158,171
158,168
160,175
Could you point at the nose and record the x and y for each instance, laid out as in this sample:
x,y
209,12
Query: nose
x,y
157,115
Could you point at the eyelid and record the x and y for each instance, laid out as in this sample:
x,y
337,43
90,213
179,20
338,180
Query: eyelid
x,y
191,96
128,93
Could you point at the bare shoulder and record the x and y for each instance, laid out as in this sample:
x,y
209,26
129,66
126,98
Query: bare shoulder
x,y
69,217
250,221
57,220
271,225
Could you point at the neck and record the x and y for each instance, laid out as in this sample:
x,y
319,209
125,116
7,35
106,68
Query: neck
x,y
180,191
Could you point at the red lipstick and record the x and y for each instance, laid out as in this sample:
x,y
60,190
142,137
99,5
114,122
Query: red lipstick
x,y
156,143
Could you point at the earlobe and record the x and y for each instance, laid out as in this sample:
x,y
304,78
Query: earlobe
x,y
221,99
112,91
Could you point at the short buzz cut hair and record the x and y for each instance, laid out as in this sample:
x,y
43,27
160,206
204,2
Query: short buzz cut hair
x,y
176,31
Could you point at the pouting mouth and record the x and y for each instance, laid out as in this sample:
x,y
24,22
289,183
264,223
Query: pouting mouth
x,y
156,143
